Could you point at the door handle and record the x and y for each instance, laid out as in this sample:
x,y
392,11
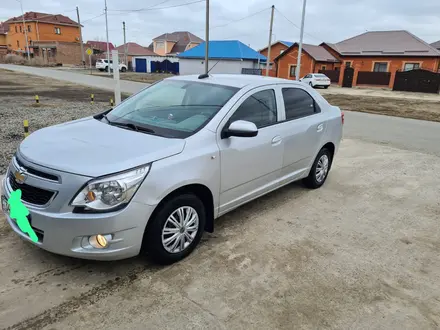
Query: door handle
x,y
320,128
276,140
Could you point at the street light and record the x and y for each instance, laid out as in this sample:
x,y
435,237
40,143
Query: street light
x,y
25,31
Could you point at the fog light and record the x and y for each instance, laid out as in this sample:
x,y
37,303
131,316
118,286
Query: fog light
x,y
99,241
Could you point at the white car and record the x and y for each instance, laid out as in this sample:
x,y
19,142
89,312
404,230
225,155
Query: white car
x,y
102,65
316,79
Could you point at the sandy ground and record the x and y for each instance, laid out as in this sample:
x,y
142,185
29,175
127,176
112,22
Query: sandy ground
x,y
361,252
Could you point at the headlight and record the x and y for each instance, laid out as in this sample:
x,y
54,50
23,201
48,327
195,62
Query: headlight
x,y
109,192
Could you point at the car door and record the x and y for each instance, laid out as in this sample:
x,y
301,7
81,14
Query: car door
x,y
302,131
250,166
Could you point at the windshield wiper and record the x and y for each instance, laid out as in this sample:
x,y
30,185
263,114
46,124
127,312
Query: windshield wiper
x,y
133,127
106,118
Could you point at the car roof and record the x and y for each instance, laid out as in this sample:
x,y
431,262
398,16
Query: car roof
x,y
235,80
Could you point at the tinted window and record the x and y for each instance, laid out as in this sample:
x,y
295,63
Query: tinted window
x,y
259,108
298,103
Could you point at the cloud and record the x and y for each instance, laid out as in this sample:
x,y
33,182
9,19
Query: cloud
x,y
329,20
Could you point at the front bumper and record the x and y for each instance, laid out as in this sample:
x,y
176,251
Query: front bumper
x,y
67,233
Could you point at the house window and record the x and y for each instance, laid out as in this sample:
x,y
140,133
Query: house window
x,y
292,71
21,29
29,28
348,64
18,44
57,30
324,67
411,66
380,67
159,45
15,28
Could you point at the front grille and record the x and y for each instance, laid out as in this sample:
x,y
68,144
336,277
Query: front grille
x,y
37,172
30,194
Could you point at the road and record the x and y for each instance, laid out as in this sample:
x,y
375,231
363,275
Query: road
x,y
403,133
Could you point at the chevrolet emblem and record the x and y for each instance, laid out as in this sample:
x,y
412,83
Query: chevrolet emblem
x,y
20,176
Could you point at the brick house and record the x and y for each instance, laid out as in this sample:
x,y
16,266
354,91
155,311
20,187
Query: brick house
x,y
436,45
313,59
277,48
100,47
174,43
3,43
48,34
383,51
133,49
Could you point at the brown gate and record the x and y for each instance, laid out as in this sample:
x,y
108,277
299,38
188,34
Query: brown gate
x,y
332,74
419,80
347,81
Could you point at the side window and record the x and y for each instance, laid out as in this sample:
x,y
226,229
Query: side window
x,y
259,108
298,103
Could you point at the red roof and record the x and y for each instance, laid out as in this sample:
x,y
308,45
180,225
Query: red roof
x,y
43,17
101,45
135,49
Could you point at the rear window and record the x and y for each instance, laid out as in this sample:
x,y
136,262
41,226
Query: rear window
x,y
320,75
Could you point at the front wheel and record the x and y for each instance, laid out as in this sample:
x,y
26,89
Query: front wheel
x,y
175,230
123,69
319,171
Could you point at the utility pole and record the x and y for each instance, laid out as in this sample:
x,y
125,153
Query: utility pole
x,y
108,48
298,62
270,41
25,31
207,37
125,45
83,56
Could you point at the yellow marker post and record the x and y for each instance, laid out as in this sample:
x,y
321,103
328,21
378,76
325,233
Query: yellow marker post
x,y
92,98
111,102
26,128
37,99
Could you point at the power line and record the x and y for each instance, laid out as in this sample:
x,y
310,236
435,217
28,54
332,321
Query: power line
x,y
151,8
240,19
297,26
92,18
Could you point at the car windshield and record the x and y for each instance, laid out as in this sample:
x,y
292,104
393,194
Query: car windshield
x,y
172,108
320,76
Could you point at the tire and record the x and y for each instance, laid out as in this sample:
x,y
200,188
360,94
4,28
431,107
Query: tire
x,y
315,178
123,69
154,246
106,68
101,70
325,87
311,85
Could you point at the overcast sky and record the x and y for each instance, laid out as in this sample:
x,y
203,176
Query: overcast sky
x,y
326,20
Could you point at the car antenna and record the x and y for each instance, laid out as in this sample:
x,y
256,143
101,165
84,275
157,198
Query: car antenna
x,y
206,75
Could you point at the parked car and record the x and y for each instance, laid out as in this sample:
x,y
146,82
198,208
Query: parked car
x,y
152,174
316,80
102,65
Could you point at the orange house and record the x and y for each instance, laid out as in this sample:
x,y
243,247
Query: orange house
x,y
174,43
277,48
313,59
44,32
383,52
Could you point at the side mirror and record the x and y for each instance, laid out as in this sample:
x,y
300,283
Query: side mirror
x,y
240,128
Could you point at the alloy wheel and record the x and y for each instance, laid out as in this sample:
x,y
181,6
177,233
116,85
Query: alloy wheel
x,y
322,168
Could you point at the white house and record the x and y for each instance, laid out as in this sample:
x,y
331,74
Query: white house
x,y
225,56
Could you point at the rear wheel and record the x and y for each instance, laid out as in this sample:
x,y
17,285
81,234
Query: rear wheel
x,y
175,230
123,69
326,87
311,84
319,171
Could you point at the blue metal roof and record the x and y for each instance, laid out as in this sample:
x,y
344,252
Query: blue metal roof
x,y
287,43
224,49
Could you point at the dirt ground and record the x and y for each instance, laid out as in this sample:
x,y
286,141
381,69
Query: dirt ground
x,y
362,252
407,108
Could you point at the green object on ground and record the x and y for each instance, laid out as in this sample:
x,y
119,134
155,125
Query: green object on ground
x,y
19,212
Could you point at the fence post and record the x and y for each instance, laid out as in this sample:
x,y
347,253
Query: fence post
x,y
26,128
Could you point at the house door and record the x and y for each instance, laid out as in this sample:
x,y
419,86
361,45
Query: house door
x,y
347,81
141,65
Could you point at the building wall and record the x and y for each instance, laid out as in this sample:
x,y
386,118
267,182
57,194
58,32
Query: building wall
x,y
328,66
290,59
275,51
393,64
170,46
3,39
197,66
40,32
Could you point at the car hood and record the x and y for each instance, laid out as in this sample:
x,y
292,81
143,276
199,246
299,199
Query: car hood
x,y
93,148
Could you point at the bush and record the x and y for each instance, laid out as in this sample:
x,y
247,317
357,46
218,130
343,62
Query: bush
x,y
36,61
14,59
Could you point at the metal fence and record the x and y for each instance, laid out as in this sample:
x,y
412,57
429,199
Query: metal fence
x,y
373,78
256,72
423,81
332,74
